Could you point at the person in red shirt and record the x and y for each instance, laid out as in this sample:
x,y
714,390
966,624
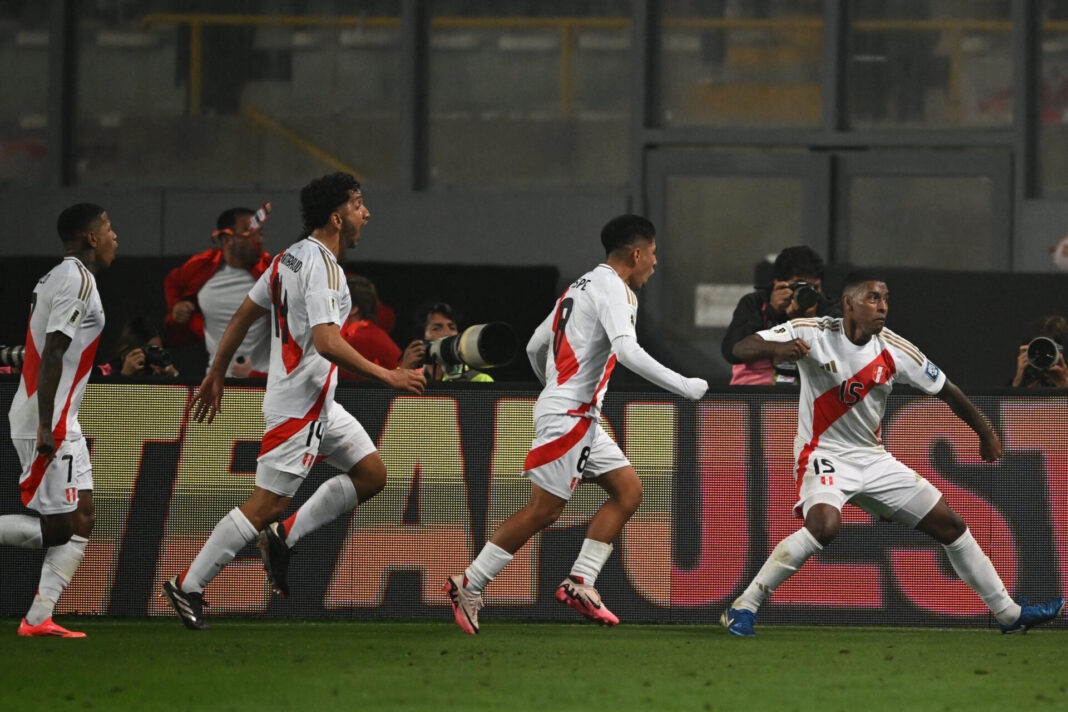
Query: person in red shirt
x,y
218,271
363,333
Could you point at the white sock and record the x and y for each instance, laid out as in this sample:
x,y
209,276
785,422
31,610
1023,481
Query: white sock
x,y
975,569
60,563
590,560
489,562
333,498
21,530
229,536
786,558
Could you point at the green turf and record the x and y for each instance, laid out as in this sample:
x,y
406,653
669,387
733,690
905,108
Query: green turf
x,y
273,666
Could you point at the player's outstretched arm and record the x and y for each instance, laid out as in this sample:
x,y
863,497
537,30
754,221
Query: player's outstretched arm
x,y
755,348
990,448
208,399
333,347
633,356
56,343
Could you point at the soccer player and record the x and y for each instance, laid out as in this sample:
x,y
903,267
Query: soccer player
x,y
305,292
573,353
66,318
849,366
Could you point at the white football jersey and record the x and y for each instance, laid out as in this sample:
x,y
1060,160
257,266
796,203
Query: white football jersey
x,y
219,298
65,300
597,308
303,287
844,387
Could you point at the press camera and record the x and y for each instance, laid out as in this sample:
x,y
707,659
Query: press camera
x,y
479,346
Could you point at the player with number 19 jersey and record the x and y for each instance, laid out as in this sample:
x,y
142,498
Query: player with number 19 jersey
x,y
303,287
844,387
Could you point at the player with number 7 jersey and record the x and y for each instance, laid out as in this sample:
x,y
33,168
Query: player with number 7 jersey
x,y
307,298
66,319
848,367
573,353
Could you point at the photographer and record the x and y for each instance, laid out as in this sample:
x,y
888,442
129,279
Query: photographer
x,y
796,291
437,321
140,353
1040,362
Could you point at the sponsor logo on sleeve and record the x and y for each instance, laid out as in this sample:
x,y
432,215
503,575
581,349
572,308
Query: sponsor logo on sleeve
x,y
75,316
334,309
932,371
779,330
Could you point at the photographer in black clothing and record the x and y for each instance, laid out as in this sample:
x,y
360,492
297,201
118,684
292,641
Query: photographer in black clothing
x,y
1040,362
796,290
140,352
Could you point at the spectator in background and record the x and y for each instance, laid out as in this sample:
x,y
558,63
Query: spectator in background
x,y
363,333
140,353
1054,328
796,270
205,292
439,320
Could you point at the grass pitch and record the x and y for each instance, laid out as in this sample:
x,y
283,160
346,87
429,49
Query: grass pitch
x,y
156,664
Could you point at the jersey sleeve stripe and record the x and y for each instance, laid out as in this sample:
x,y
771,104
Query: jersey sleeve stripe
x,y
82,289
904,345
331,270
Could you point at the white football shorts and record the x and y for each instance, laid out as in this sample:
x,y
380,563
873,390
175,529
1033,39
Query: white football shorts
x,y
52,487
871,479
292,445
568,449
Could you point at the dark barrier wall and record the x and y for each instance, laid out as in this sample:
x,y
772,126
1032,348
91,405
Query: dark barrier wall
x,y
718,495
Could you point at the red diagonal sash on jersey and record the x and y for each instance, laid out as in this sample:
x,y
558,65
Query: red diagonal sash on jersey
x,y
28,487
280,433
829,406
566,363
556,448
31,364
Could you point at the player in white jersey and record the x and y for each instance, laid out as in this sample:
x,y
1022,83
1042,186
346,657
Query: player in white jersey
x,y
573,353
848,368
66,318
306,295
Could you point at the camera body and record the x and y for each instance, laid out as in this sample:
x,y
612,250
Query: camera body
x,y
12,356
157,356
479,346
805,294
1043,352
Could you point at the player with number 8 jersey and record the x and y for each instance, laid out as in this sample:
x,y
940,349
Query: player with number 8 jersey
x,y
305,293
573,353
848,367
66,319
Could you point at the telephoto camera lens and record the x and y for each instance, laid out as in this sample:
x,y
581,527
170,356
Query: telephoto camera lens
x,y
1043,352
12,356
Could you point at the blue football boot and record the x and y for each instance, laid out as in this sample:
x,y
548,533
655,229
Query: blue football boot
x,y
1033,614
738,621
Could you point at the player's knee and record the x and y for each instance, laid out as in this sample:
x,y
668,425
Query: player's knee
x,y
953,528
546,513
369,478
822,531
84,522
630,498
